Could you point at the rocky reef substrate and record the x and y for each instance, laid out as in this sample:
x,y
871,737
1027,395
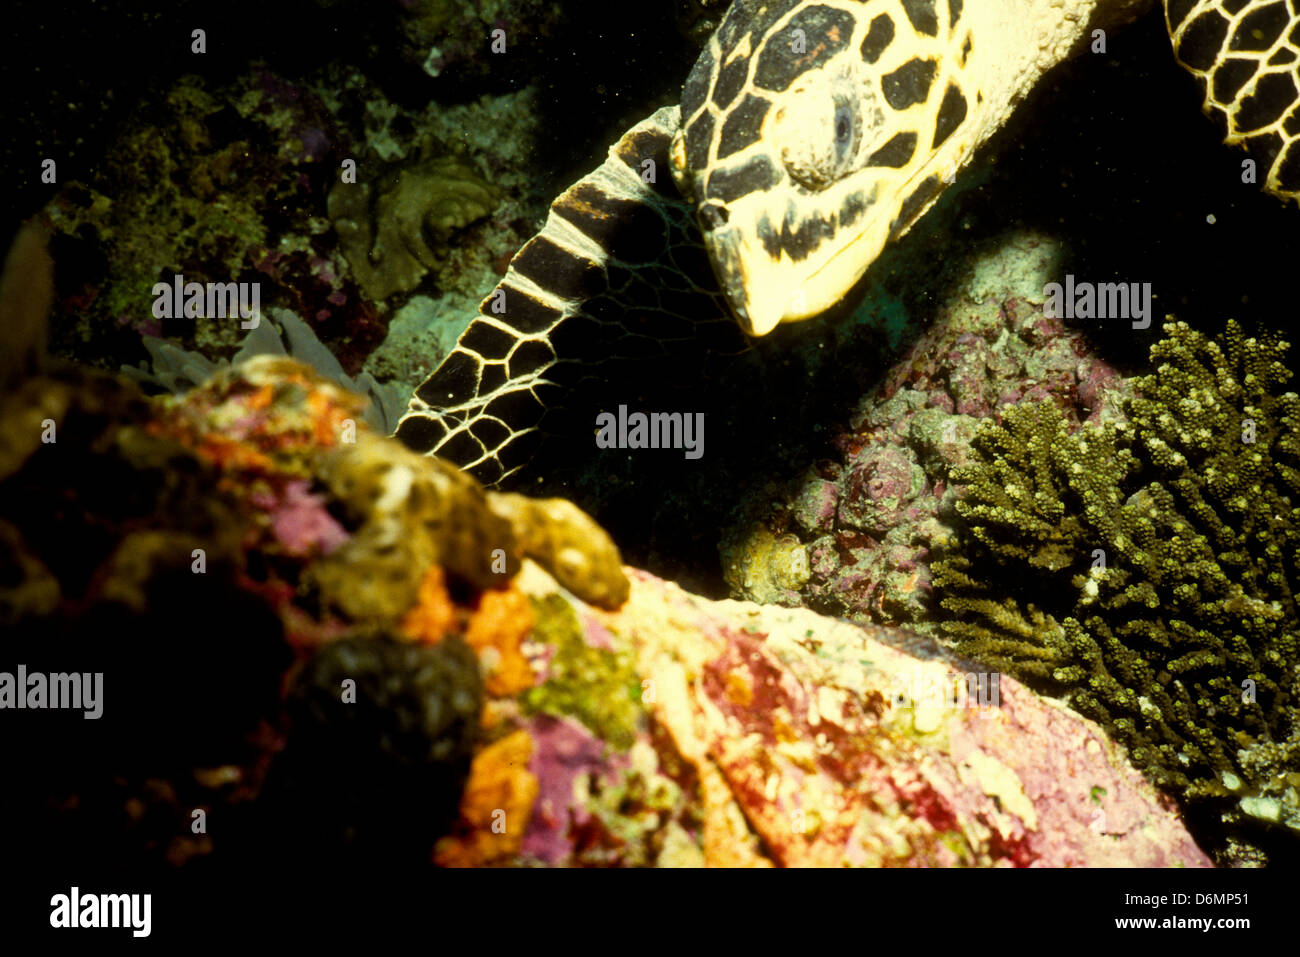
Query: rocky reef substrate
x,y
328,649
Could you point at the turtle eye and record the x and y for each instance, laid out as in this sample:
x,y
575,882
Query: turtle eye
x,y
843,130
846,132
819,131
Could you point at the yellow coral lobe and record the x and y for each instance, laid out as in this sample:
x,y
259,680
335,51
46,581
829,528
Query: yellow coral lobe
x,y
501,623
568,543
495,807
434,616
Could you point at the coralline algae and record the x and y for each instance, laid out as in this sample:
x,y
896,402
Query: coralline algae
x,y
870,519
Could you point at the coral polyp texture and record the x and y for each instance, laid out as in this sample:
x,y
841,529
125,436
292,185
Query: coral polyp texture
x,y
1148,570
394,232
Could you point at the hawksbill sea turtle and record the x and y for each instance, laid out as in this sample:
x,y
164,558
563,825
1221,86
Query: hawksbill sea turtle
x,y
810,134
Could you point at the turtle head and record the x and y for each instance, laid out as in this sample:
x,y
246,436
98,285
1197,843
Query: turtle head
x,y
811,135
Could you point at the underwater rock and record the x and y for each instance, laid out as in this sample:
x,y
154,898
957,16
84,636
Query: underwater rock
x,y
1156,562
670,731
394,233
405,737
690,732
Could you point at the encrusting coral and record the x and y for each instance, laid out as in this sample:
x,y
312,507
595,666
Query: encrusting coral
x,y
276,597
854,533
1153,566
404,512
558,535
394,233
228,559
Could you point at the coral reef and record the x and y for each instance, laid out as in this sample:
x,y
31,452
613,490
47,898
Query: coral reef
x,y
216,183
680,731
404,512
496,806
183,191
1153,565
869,516
393,232
340,573
502,147
596,686
224,558
230,180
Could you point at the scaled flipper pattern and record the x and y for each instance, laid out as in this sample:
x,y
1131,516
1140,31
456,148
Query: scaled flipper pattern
x,y
1246,59
617,275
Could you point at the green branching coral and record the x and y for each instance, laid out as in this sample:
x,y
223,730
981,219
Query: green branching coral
x,y
1148,569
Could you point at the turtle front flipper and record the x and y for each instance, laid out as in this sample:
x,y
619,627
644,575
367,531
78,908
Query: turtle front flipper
x,y
616,282
1246,59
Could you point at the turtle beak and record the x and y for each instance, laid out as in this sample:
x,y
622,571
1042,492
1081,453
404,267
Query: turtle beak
x,y
765,289
750,281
